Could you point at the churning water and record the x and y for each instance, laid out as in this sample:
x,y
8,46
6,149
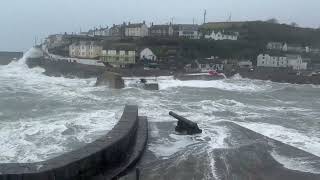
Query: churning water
x,y
42,117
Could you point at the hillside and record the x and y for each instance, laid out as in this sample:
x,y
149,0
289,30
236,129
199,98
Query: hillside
x,y
260,31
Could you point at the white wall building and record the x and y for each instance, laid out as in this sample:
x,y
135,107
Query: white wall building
x,y
222,36
119,57
289,61
210,64
147,54
85,49
190,31
136,30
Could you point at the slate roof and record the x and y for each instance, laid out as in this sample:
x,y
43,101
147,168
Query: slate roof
x,y
186,27
137,25
162,27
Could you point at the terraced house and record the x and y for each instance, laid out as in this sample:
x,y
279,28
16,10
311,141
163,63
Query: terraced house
x,y
218,35
161,30
118,57
189,31
136,30
85,49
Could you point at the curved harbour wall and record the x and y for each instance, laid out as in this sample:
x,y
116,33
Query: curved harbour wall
x,y
103,155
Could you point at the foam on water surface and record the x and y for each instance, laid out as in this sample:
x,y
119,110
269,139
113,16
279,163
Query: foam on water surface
x,y
298,164
71,112
291,137
58,117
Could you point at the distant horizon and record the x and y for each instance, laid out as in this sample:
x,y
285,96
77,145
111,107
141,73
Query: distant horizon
x,y
26,20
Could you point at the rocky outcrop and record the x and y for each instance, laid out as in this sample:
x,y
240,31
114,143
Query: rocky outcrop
x,y
110,79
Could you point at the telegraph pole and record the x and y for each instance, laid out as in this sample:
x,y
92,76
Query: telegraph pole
x,y
204,16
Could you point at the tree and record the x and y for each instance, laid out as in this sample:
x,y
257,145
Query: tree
x,y
273,21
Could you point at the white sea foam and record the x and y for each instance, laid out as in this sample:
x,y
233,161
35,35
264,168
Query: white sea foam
x,y
298,164
48,134
164,147
292,137
233,84
44,137
217,84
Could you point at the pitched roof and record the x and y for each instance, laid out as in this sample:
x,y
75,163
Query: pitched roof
x,y
186,27
293,56
137,25
163,27
93,43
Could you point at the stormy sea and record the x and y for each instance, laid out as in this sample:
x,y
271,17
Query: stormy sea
x,y
252,129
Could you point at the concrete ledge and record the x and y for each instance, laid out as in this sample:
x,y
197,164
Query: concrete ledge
x,y
110,151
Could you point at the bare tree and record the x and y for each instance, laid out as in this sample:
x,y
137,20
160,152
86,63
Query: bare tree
x,y
273,21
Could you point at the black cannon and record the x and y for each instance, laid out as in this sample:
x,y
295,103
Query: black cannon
x,y
185,126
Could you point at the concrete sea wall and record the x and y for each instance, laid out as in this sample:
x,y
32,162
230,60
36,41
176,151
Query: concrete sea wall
x,y
111,153
66,68
111,79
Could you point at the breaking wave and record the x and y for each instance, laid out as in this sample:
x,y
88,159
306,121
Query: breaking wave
x,y
42,117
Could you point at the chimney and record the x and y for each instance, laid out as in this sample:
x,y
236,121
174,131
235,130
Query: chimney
x,y
144,22
152,24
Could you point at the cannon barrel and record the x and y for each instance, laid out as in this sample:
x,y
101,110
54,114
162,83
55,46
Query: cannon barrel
x,y
185,125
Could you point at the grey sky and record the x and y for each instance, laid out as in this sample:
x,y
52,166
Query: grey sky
x,y
22,20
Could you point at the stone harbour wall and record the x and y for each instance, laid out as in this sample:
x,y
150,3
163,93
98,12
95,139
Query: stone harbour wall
x,y
111,150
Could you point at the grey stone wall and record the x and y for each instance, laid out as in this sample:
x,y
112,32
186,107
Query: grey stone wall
x,y
107,152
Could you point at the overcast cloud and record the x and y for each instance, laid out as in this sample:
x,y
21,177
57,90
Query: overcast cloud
x,y
22,20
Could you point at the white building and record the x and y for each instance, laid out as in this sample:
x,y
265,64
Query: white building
x,y
190,31
275,46
210,64
85,49
119,57
222,36
147,54
289,61
136,30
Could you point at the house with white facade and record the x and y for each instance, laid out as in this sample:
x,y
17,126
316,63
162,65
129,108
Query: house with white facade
x,y
295,48
275,46
136,30
147,54
118,57
85,49
221,35
190,31
210,64
289,61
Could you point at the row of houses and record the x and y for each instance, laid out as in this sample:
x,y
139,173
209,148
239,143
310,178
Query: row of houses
x,y
294,48
190,31
288,61
115,56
